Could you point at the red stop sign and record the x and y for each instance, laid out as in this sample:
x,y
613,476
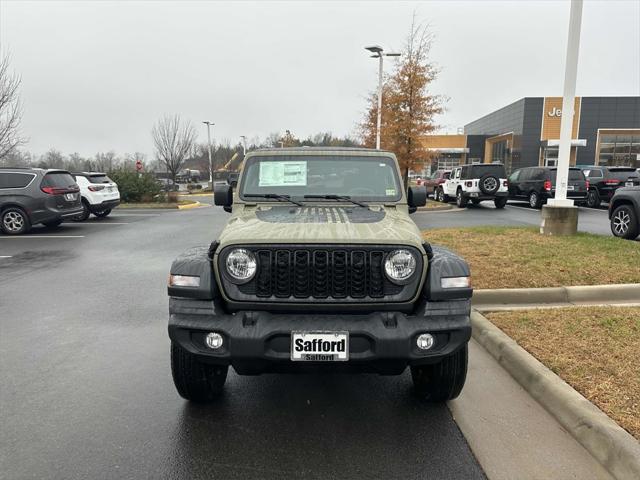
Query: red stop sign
x,y
138,165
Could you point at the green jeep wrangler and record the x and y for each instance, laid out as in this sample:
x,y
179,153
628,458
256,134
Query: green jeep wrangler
x,y
319,268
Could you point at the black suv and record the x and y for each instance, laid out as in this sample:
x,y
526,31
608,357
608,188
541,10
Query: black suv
x,y
538,184
32,195
604,181
624,212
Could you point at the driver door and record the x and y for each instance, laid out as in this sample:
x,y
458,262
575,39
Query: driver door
x,y
451,186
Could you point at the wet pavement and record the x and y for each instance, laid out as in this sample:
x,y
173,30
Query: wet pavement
x,y
86,389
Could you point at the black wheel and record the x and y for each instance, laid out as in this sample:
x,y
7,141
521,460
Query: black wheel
x,y
593,199
534,200
475,201
489,184
81,217
439,194
500,202
624,222
461,199
13,221
53,223
103,213
196,381
441,381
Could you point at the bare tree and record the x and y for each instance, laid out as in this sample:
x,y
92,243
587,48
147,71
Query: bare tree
x,y
106,162
174,141
10,109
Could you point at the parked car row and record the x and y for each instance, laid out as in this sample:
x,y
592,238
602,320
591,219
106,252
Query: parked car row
x,y
31,196
604,181
588,186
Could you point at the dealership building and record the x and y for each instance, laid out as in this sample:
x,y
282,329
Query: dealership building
x,y
606,131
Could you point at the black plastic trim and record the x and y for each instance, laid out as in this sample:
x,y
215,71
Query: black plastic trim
x,y
194,262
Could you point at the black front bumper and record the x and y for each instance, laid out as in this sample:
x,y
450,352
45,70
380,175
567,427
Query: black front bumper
x,y
260,342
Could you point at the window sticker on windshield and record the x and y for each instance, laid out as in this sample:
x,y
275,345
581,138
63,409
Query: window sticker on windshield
x,y
281,174
390,192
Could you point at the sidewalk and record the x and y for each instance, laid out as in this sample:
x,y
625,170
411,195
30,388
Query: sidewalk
x,y
511,435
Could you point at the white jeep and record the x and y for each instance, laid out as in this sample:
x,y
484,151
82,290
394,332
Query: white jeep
x,y
477,182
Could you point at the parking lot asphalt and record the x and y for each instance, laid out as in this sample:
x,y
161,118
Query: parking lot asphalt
x,y
590,220
86,389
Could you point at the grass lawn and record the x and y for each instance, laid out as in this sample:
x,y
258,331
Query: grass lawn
x,y
514,257
595,350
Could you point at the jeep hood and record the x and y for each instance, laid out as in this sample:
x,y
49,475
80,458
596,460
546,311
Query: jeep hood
x,y
320,224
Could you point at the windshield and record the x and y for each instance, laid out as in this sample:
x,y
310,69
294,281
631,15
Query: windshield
x,y
575,175
476,171
99,179
622,173
362,178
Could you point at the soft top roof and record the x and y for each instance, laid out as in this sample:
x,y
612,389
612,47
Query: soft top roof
x,y
369,152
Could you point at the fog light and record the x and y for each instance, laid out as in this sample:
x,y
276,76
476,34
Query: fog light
x,y
425,341
214,340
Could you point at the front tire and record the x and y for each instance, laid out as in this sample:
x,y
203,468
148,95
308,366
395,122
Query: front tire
x,y
624,222
196,381
441,381
461,199
13,221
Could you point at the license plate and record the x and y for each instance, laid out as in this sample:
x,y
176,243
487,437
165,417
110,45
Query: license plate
x,y
571,188
70,197
319,346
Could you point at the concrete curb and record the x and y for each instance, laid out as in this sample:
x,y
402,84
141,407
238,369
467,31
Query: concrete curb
x,y
439,208
628,292
191,205
609,443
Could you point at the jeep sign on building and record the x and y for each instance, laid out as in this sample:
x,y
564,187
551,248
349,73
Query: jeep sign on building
x,y
606,131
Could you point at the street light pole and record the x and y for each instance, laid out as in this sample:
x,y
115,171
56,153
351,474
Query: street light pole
x,y
209,125
568,102
380,57
378,53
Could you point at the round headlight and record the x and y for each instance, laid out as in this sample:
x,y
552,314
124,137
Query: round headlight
x,y
400,265
241,264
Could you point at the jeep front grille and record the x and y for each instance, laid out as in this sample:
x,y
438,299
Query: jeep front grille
x,y
320,273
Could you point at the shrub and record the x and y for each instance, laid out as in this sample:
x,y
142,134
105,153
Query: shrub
x,y
136,187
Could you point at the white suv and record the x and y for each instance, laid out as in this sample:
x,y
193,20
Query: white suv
x,y
99,194
477,182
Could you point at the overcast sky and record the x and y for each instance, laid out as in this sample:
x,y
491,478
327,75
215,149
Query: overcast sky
x,y
96,75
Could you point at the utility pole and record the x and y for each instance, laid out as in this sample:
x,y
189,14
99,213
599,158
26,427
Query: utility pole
x,y
244,145
378,53
209,125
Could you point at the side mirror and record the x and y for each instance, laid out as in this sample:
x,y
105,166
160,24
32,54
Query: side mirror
x,y
223,196
416,197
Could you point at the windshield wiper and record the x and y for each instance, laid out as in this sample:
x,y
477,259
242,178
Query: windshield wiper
x,y
274,196
345,198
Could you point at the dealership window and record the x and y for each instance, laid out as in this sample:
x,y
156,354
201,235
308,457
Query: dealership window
x,y
550,156
619,150
446,161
